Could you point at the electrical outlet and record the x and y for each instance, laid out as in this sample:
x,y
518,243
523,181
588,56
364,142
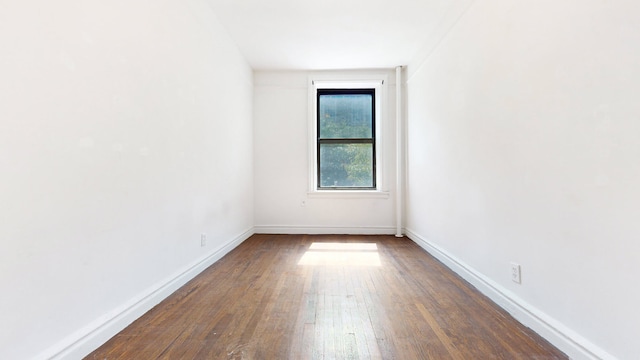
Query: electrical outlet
x,y
515,273
203,239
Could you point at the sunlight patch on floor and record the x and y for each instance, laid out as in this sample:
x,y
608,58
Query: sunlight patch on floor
x,y
341,254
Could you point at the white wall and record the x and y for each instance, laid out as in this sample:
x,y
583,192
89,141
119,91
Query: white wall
x,y
281,145
524,145
125,133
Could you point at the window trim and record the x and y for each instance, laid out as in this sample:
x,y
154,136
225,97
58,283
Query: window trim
x,y
358,81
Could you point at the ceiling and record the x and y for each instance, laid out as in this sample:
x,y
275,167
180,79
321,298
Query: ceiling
x,y
331,34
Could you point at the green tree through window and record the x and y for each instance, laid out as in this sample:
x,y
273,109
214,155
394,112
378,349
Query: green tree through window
x,y
346,138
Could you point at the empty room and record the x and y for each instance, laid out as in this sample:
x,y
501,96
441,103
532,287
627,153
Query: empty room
x,y
245,179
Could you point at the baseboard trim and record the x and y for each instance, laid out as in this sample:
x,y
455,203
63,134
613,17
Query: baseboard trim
x,y
372,230
565,339
84,341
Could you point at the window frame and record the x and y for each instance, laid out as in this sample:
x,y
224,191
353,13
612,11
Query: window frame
x,y
357,81
368,140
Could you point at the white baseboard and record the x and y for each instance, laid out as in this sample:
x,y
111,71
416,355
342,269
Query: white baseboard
x,y
314,230
96,333
565,339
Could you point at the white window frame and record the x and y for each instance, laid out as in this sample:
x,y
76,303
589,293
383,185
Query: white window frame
x,y
372,81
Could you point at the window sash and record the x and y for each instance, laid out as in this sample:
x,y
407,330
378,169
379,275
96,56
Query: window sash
x,y
320,141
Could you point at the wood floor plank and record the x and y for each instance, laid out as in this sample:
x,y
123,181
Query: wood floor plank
x,y
327,297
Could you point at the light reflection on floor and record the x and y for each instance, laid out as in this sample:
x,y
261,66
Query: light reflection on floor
x,y
341,254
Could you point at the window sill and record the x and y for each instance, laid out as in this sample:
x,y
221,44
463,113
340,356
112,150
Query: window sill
x,y
348,194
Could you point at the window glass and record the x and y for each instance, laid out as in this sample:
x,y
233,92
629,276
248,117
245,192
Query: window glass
x,y
346,116
346,165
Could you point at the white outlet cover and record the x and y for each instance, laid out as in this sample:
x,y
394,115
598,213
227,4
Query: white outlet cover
x,y
515,273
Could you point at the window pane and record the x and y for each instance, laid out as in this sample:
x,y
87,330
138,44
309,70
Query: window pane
x,y
345,116
346,165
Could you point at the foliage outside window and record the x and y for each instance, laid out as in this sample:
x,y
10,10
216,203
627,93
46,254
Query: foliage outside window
x,y
346,150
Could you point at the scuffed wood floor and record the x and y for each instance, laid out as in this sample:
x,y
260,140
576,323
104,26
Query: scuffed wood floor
x,y
327,297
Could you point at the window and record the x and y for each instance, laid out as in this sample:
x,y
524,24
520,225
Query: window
x,y
346,135
346,139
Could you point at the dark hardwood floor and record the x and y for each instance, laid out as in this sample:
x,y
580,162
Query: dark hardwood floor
x,y
327,297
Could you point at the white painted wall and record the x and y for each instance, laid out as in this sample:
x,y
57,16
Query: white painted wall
x,y
524,145
281,145
125,133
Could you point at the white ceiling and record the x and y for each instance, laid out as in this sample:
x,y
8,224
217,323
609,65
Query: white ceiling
x,y
331,34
